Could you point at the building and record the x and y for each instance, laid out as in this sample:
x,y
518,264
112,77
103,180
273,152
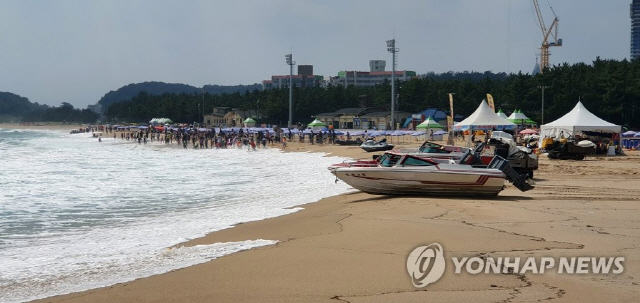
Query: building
x,y
305,69
236,117
361,118
217,117
304,78
355,78
635,29
298,81
377,65
376,75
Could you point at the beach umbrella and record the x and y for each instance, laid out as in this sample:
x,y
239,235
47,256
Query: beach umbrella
x,y
636,135
528,131
376,133
440,132
629,133
418,133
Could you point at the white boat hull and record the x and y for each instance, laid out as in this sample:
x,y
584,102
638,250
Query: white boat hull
x,y
433,180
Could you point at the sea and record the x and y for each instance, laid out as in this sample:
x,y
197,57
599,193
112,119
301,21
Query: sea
x,y
77,214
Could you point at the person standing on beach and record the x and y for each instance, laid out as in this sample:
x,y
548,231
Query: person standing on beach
x,y
284,143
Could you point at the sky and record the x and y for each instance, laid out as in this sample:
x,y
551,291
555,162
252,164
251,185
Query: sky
x,y
77,51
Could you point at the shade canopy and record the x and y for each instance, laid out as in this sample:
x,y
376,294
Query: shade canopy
x,y
249,120
317,122
518,117
579,119
528,131
429,123
483,118
501,114
161,121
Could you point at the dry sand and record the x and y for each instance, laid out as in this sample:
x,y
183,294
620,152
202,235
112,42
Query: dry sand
x,y
353,247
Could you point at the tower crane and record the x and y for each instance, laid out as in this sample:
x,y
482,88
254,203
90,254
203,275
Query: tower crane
x,y
546,34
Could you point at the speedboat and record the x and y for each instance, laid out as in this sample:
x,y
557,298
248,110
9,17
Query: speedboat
x,y
355,142
371,145
398,173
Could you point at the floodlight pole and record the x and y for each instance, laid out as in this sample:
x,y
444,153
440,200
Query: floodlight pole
x,y
291,63
542,87
391,47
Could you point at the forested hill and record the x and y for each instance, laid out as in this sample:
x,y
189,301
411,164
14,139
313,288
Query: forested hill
x,y
15,108
15,105
127,92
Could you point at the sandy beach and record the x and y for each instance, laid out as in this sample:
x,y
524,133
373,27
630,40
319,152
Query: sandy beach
x,y
354,247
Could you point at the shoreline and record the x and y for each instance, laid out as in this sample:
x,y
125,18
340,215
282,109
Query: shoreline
x,y
353,247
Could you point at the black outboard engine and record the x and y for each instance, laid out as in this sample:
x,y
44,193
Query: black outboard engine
x,y
518,180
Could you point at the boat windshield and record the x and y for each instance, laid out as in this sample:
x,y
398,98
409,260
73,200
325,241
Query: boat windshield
x,y
429,147
413,161
389,160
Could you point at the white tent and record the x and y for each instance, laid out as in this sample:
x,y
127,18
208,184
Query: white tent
x,y
501,114
484,118
579,119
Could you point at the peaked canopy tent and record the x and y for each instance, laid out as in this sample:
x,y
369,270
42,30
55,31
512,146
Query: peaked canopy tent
x,y
429,123
484,118
161,121
501,114
316,124
578,120
520,118
249,122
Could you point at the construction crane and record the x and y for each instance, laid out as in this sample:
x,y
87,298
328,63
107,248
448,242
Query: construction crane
x,y
546,33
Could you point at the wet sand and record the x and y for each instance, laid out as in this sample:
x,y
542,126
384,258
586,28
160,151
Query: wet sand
x,y
353,247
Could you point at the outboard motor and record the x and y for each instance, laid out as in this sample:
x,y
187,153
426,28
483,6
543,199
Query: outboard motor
x,y
518,180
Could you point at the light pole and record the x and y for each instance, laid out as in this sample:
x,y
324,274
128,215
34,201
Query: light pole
x,y
542,87
291,63
203,105
391,47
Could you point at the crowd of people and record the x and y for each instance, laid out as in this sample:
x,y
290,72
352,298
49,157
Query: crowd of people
x,y
199,138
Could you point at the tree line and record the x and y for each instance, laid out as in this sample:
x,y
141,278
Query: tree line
x,y
608,88
63,113
16,108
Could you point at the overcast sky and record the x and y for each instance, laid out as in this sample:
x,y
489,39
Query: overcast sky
x,y
76,51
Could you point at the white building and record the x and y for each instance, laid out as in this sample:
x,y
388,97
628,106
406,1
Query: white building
x,y
376,75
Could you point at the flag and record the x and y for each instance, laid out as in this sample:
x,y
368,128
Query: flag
x,y
450,122
490,102
451,104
